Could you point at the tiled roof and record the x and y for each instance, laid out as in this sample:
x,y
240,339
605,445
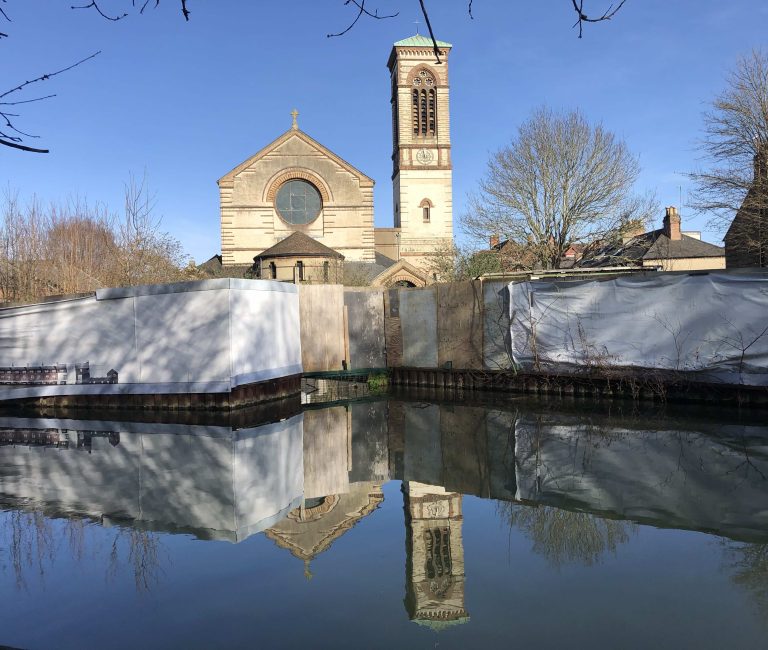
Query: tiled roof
x,y
665,248
299,244
362,272
420,41
653,245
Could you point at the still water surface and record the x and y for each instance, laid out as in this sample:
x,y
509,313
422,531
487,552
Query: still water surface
x,y
397,523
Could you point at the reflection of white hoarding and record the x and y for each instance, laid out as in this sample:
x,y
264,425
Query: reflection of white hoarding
x,y
192,337
671,478
208,480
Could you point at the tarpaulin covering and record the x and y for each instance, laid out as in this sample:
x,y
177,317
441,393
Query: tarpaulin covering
x,y
713,325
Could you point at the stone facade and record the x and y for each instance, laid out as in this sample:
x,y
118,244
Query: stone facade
x,y
421,156
251,222
299,269
299,259
252,219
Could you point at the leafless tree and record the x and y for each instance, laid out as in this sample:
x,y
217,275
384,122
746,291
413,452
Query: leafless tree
x,y
560,182
22,241
144,253
450,262
732,187
79,247
75,247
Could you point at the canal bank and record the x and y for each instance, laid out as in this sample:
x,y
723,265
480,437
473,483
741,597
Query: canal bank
x,y
227,344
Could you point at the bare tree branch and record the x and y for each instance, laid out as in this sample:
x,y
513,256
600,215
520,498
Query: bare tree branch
x,y
7,17
431,33
95,5
47,76
578,7
23,147
360,4
15,141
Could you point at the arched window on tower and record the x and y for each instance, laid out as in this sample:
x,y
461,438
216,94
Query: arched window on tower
x,y
426,210
424,105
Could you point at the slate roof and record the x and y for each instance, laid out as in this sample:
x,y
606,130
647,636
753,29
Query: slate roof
x,y
297,244
213,268
365,272
417,40
653,245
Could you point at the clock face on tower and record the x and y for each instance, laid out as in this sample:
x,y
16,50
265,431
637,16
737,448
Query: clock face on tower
x,y
424,156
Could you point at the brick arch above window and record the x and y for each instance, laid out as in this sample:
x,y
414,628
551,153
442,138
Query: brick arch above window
x,y
406,277
426,210
416,71
297,173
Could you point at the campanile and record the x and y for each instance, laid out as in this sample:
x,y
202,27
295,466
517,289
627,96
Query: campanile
x,y
421,154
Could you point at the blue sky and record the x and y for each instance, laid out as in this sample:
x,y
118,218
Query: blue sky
x,y
189,101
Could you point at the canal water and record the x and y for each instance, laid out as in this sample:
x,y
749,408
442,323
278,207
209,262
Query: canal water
x,y
392,523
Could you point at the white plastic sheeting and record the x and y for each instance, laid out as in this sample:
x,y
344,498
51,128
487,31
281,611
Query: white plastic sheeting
x,y
191,337
712,324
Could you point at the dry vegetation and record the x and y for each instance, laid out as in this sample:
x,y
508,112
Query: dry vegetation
x,y
75,248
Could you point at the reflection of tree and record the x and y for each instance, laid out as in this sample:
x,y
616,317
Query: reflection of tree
x,y
563,536
749,563
143,556
31,541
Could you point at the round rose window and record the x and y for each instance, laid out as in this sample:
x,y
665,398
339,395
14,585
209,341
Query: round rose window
x,y
298,202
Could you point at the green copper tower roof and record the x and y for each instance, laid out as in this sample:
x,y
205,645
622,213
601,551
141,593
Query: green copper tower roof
x,y
420,41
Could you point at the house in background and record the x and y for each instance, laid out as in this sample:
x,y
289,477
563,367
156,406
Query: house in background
x,y
746,242
667,249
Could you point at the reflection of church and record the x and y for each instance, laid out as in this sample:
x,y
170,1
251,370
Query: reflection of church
x,y
334,501
299,211
343,480
435,561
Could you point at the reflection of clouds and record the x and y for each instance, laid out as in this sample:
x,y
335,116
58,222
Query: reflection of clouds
x,y
565,537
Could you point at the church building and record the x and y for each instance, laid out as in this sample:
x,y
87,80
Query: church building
x,y
297,185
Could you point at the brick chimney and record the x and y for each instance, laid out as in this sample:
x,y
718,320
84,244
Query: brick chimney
x,y
672,224
494,241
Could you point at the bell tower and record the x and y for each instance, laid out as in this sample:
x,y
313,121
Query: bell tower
x,y
421,154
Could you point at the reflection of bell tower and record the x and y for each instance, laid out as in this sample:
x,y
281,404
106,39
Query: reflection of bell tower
x,y
421,155
434,556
